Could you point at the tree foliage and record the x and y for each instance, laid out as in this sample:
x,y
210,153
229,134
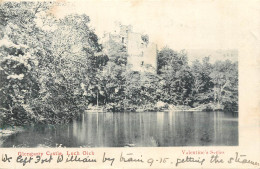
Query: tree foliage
x,y
46,68
51,69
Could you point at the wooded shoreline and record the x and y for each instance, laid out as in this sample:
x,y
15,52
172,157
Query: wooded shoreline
x,y
203,107
51,69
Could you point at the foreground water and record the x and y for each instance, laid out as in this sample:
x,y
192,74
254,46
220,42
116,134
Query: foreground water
x,y
146,129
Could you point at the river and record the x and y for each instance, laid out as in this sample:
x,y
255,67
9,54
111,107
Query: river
x,y
144,129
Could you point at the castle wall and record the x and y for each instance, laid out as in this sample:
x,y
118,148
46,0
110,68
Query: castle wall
x,y
134,45
150,58
142,56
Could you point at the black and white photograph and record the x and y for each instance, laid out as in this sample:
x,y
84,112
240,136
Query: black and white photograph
x,y
89,74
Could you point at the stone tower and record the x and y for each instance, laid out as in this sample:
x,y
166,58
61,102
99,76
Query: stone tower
x,y
142,54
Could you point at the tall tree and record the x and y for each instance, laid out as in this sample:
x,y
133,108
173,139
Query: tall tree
x,y
48,64
177,77
225,79
19,36
202,82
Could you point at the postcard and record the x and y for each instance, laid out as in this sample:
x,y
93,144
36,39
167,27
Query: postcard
x,y
130,84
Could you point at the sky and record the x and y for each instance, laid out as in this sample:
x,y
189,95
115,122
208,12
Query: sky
x,y
178,24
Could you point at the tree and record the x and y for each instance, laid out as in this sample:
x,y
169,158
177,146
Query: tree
x,y
215,85
177,77
108,84
19,36
70,68
225,79
202,82
49,64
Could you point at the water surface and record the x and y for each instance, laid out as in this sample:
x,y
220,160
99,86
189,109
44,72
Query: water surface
x,y
145,129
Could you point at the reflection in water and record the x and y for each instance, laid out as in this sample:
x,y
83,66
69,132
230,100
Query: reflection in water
x,y
135,129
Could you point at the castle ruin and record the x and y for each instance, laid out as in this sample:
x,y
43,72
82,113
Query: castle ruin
x,y
142,54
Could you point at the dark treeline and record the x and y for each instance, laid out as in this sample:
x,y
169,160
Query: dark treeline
x,y
52,69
